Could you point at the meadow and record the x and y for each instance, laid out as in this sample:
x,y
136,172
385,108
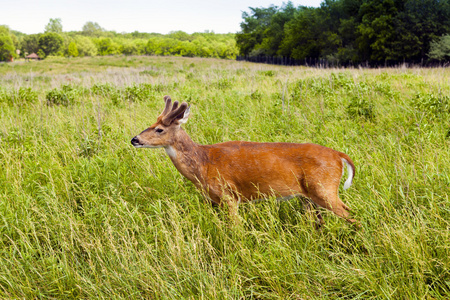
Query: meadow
x,y
83,214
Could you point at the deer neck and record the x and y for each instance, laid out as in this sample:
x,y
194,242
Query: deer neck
x,y
187,156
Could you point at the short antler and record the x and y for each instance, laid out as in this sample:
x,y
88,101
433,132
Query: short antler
x,y
167,108
175,114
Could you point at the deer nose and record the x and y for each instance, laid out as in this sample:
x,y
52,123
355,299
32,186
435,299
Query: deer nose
x,y
134,141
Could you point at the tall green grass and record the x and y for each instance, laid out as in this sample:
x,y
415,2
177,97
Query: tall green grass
x,y
83,214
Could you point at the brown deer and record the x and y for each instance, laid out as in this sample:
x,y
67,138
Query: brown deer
x,y
244,171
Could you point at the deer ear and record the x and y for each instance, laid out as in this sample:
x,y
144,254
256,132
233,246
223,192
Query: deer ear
x,y
185,116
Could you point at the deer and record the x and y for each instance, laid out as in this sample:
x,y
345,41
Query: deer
x,y
239,171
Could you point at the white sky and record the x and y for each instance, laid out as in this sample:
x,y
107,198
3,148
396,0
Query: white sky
x,y
163,16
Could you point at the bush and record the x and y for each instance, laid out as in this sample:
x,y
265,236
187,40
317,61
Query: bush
x,y
137,93
361,107
62,96
268,73
433,105
18,97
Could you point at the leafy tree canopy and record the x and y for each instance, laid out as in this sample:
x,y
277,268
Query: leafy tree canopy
x,y
50,43
346,30
92,29
7,49
54,25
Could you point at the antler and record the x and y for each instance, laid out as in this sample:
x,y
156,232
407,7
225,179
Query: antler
x,y
175,114
166,110
172,112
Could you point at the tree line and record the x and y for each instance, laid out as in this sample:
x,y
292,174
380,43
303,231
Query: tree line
x,y
93,40
349,31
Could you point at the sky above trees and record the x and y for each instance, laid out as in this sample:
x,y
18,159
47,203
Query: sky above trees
x,y
223,16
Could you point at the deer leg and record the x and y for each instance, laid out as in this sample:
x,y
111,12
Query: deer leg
x,y
310,207
333,203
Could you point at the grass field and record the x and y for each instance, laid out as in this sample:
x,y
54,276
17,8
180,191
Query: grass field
x,y
83,214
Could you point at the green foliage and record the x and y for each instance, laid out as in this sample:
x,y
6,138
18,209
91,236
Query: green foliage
x,y
92,29
65,95
201,45
41,54
50,43
139,92
72,49
30,43
361,107
7,49
22,96
268,73
440,48
434,105
106,46
85,46
346,30
94,40
54,25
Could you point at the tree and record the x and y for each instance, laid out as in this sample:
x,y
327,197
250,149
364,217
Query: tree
x,y
274,33
30,43
72,49
305,35
253,27
54,25
440,48
50,43
7,49
41,54
133,47
106,46
85,46
92,29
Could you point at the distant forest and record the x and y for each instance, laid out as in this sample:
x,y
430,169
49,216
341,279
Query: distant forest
x,y
349,31
373,32
93,40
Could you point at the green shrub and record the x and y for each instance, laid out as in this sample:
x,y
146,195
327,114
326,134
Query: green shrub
x,y
21,96
103,89
256,95
268,73
65,95
361,107
137,93
342,80
432,104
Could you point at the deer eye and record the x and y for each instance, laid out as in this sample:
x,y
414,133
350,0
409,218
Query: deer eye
x,y
159,130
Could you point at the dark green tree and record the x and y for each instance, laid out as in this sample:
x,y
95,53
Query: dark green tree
x,y
253,27
274,34
306,35
50,43
419,23
30,43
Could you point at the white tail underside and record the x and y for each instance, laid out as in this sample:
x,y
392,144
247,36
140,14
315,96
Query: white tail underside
x,y
348,182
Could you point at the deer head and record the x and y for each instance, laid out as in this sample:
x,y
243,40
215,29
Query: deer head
x,y
163,133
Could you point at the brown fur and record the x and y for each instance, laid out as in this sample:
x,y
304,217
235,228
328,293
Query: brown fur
x,y
244,171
